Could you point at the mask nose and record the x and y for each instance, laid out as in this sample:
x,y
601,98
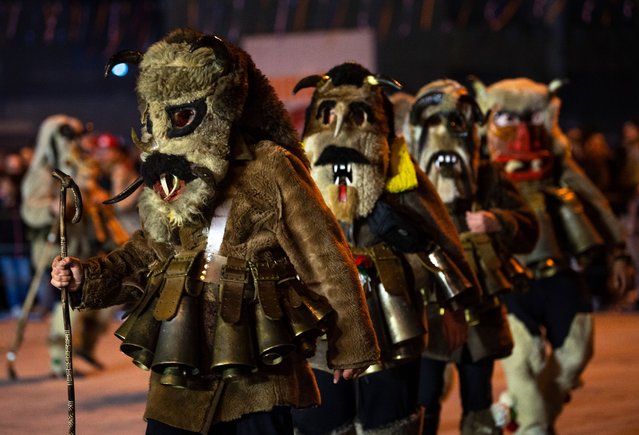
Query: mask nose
x,y
521,143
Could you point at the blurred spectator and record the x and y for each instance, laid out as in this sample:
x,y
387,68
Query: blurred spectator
x,y
116,171
628,182
15,264
596,159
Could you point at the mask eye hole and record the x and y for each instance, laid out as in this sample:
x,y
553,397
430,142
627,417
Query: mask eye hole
x,y
433,121
505,119
360,113
456,123
324,111
149,124
185,118
358,116
182,117
537,118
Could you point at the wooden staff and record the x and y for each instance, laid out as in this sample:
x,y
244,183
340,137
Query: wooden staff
x,y
67,182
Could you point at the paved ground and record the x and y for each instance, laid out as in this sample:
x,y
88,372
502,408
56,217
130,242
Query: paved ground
x,y
112,400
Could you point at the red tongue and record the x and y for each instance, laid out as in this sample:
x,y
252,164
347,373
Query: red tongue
x,y
157,186
342,195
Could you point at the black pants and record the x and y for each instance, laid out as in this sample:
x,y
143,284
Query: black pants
x,y
276,422
550,305
374,400
475,388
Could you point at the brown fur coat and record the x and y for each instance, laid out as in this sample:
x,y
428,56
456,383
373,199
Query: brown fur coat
x,y
275,207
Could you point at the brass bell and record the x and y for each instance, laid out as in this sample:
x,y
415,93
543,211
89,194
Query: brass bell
x,y
580,231
452,284
304,326
274,338
139,334
402,320
233,351
176,352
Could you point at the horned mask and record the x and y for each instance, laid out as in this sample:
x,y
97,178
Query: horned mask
x,y
347,137
522,128
201,100
444,119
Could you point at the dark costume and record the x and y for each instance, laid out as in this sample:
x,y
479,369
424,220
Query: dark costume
x,y
444,120
239,264
576,222
397,229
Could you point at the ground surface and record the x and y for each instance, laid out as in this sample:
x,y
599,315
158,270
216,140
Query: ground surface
x,y
112,400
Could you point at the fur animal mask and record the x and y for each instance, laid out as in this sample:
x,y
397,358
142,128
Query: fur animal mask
x,y
347,137
199,98
443,120
522,129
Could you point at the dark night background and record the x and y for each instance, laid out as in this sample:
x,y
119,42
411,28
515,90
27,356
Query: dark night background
x,y
53,52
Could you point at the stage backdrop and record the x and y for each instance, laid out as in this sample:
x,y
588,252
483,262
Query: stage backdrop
x,y
286,58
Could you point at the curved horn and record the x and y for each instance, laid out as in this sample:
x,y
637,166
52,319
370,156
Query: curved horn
x,y
380,79
309,82
128,191
426,100
124,56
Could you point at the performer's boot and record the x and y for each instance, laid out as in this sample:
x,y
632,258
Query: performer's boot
x,y
347,429
479,422
522,369
565,365
431,422
89,326
411,425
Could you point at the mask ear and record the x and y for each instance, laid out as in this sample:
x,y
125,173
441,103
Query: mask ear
x,y
476,115
555,85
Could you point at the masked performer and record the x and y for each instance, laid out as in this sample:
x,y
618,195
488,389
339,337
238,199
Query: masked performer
x,y
239,265
392,218
57,146
523,136
493,221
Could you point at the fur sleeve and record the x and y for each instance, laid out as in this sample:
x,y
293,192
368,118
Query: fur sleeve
x,y
104,275
313,241
520,228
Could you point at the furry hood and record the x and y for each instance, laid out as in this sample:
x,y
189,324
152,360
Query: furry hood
x,y
348,136
202,102
525,95
444,118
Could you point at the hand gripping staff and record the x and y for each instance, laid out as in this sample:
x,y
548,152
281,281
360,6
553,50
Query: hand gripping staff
x,y
67,182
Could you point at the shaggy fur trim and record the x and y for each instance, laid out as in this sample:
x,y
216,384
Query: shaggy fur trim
x,y
347,429
158,217
411,425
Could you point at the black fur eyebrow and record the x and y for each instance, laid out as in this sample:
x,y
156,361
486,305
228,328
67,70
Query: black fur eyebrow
x,y
336,154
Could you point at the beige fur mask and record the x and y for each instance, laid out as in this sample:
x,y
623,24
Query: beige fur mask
x,y
346,138
203,103
444,119
522,129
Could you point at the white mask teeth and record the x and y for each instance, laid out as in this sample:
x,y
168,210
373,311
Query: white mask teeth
x,y
513,165
165,187
536,164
